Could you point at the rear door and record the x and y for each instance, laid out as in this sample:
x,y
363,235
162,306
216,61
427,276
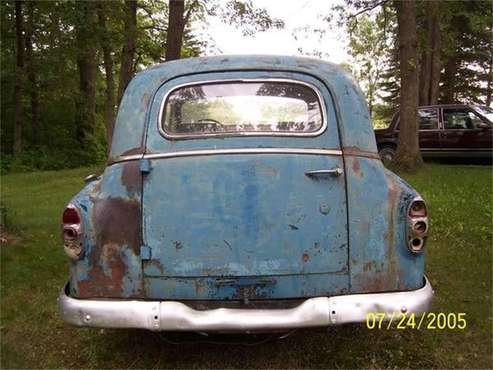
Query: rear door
x,y
429,130
244,201
465,131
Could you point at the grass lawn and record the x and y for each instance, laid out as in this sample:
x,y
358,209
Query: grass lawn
x,y
459,265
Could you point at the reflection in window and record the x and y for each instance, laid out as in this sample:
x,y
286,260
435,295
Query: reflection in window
x,y
460,119
485,111
232,107
428,119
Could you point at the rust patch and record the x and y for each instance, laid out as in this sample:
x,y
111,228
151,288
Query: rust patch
x,y
146,99
355,151
117,226
306,257
105,279
381,277
132,177
369,266
117,221
378,281
356,167
199,287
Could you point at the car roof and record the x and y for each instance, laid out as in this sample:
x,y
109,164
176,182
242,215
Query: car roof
x,y
349,102
186,66
452,105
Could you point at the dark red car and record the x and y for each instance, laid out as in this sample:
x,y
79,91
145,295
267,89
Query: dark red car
x,y
450,130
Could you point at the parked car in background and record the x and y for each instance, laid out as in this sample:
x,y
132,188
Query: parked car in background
x,y
451,130
243,194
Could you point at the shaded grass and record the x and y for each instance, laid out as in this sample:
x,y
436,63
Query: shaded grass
x,y
459,264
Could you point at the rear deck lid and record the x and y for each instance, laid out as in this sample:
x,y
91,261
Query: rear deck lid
x,y
245,222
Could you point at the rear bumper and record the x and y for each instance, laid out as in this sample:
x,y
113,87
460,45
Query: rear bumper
x,y
176,316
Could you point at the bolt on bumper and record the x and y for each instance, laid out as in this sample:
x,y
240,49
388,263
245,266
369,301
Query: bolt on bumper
x,y
176,316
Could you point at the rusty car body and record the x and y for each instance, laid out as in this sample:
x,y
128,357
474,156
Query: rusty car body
x,y
243,193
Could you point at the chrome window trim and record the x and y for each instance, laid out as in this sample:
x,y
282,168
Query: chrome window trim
x,y
203,152
170,136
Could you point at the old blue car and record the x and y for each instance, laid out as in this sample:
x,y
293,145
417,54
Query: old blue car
x,y
243,194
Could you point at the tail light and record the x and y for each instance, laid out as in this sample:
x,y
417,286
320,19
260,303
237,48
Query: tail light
x,y
417,225
71,232
417,209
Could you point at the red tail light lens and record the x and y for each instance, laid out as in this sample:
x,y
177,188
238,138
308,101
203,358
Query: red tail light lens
x,y
418,209
70,216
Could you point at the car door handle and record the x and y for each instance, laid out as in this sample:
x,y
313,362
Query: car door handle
x,y
332,172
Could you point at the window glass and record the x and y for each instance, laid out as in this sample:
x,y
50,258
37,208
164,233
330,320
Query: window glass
x,y
485,111
428,119
234,107
460,119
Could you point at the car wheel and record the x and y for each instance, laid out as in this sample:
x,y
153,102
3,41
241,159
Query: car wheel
x,y
387,154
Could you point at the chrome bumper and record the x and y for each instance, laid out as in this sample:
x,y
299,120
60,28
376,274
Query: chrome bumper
x,y
176,316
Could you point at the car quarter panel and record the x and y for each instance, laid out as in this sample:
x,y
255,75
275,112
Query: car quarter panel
x,y
111,214
379,259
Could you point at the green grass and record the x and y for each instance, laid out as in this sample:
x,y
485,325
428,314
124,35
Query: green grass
x,y
459,264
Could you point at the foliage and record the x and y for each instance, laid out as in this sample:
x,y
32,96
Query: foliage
x,y
369,43
458,263
466,49
70,131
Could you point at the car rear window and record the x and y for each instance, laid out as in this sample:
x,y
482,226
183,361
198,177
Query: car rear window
x,y
242,107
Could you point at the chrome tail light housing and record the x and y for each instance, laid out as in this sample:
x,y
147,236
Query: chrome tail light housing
x,y
417,225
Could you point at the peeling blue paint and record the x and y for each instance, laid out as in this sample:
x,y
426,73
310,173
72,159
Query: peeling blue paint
x,y
244,226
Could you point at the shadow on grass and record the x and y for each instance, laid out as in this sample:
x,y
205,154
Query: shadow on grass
x,y
337,347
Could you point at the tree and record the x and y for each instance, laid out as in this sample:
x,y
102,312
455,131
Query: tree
x,y
109,102
176,25
239,13
128,51
430,67
368,49
32,75
408,155
66,64
467,52
19,77
87,66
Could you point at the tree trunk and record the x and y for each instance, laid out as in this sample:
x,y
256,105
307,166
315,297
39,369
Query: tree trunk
x,y
19,78
425,65
176,26
87,65
109,102
32,76
408,155
128,52
429,79
435,44
449,78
